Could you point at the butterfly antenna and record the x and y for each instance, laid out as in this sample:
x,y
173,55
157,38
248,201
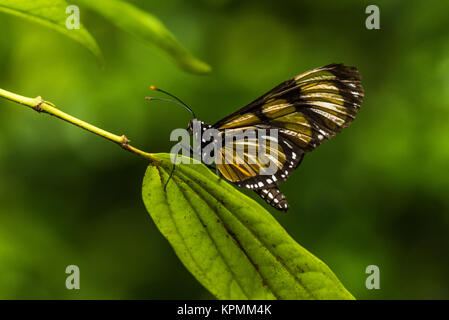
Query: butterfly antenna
x,y
174,97
172,101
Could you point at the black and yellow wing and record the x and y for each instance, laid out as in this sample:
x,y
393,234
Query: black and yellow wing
x,y
251,170
306,110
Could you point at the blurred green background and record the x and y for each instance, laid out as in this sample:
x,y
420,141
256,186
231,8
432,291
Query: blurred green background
x,y
375,194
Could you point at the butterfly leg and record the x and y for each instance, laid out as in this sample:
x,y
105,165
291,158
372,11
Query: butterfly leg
x,y
171,173
218,172
190,150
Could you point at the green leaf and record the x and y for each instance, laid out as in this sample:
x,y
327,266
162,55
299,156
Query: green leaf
x,y
51,13
231,244
148,28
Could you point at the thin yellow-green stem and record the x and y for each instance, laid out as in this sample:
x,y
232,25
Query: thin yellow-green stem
x,y
40,105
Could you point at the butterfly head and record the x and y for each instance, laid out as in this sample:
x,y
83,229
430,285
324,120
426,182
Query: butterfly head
x,y
191,125
197,126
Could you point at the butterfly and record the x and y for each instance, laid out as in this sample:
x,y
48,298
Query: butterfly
x,y
305,111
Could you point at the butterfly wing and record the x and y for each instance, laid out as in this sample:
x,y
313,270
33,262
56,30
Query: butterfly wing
x,y
306,110
245,169
251,158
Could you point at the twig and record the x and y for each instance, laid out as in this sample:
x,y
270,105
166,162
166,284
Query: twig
x,y
42,106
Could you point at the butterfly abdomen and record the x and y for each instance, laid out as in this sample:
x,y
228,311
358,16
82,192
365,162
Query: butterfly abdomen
x,y
274,197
